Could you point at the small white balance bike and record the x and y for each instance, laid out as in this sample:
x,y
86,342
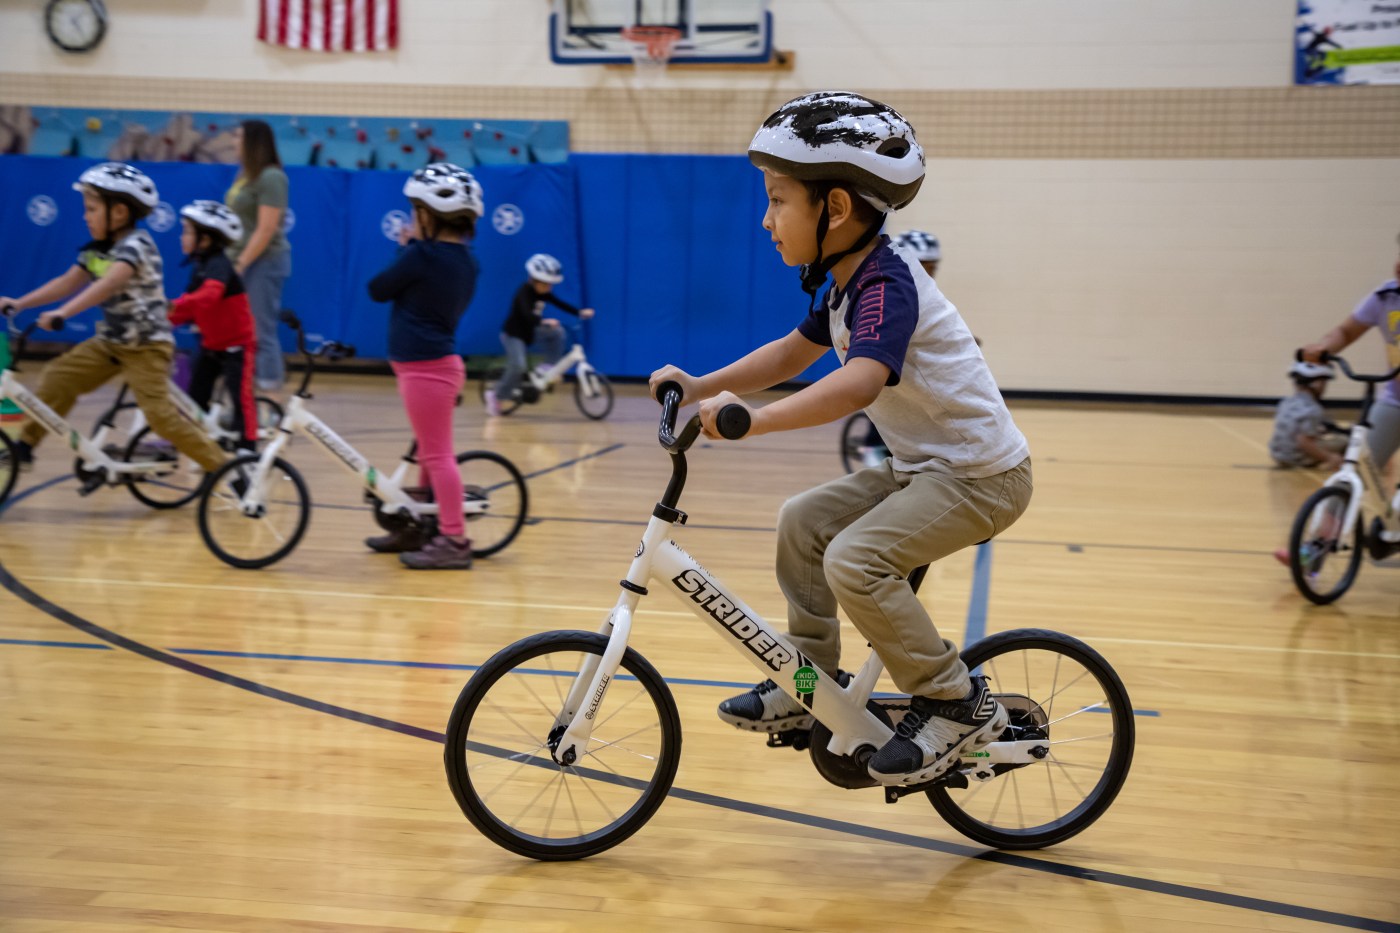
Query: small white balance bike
x,y
1349,515
160,478
593,393
564,744
256,507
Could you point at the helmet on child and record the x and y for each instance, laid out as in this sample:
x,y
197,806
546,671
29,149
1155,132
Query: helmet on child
x,y
446,189
1306,372
213,217
843,136
543,267
923,245
119,181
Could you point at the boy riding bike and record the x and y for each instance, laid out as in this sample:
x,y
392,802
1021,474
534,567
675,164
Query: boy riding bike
x,y
834,165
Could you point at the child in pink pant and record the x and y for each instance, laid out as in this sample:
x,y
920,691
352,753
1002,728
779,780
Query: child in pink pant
x,y
430,284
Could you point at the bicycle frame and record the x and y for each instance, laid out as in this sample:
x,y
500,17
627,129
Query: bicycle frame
x,y
208,421
88,450
1362,476
387,489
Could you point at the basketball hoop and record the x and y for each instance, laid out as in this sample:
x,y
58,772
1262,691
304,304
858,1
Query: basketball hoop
x,y
652,47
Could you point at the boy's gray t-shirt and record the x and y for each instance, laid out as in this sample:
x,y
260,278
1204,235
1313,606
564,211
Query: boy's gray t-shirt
x,y
941,409
137,314
1300,413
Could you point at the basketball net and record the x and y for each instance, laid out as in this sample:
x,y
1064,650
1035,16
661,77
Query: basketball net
x,y
652,47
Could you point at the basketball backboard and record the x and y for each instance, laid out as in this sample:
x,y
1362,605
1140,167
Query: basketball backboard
x,y
589,32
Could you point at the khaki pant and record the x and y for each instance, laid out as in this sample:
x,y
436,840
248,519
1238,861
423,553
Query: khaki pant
x,y
146,369
854,542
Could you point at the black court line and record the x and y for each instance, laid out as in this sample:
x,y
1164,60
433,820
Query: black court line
x,y
568,463
14,586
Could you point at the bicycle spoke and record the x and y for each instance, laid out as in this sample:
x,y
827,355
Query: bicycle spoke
x,y
1054,682
1016,791
1068,776
526,731
1098,704
1081,738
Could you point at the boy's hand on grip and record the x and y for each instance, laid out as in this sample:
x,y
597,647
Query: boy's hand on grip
x,y
51,320
709,414
690,386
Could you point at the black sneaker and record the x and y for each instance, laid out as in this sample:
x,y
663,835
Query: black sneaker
x,y
24,457
931,736
765,708
410,538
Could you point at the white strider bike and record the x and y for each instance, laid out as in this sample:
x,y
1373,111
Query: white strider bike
x,y
593,393
1349,516
156,475
255,508
564,744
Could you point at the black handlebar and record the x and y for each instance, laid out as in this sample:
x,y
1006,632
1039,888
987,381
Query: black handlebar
x,y
733,421
332,350
1350,373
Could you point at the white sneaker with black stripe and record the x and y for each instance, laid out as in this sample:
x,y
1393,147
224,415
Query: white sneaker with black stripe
x,y
765,708
934,733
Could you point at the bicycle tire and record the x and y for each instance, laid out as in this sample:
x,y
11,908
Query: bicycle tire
x,y
141,487
459,765
9,467
852,438
491,377
1115,771
604,389
474,492
216,489
1300,573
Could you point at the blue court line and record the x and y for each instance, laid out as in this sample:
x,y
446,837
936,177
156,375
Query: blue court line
x,y
1204,895
976,627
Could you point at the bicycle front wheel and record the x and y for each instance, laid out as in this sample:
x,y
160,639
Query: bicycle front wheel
x,y
498,752
593,394
1322,556
1061,692
178,480
495,500
249,540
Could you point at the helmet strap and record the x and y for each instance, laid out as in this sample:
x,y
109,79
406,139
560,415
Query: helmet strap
x,y
814,273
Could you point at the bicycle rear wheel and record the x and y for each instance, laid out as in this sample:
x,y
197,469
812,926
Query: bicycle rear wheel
x,y
492,376
498,750
176,483
9,467
496,500
593,393
1059,690
1323,558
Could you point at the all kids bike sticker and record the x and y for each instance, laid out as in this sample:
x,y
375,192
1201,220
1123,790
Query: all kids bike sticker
x,y
162,217
41,210
392,223
507,219
805,680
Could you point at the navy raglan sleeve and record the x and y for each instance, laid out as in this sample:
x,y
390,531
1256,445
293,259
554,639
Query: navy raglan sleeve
x,y
406,268
816,326
884,316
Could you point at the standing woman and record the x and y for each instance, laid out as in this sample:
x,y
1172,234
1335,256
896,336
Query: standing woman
x,y
262,258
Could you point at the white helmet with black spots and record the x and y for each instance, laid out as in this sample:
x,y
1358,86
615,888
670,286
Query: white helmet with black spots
x,y
213,216
118,178
923,245
543,267
445,188
842,136
1303,371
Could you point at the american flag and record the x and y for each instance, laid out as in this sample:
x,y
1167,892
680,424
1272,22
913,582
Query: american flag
x,y
330,25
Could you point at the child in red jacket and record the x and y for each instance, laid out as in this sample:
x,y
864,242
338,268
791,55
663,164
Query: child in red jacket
x,y
217,304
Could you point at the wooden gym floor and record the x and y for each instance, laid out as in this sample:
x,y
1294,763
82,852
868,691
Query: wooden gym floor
x,y
190,746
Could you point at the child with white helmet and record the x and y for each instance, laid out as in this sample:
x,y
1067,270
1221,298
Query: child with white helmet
x,y
430,284
925,248
1301,437
526,322
121,270
834,165
216,302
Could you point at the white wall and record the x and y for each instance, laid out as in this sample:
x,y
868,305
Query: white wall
x,y
994,44
1159,276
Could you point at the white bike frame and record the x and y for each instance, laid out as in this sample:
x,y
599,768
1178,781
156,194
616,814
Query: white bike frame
x,y
1360,474
543,378
387,489
661,561
88,449
208,421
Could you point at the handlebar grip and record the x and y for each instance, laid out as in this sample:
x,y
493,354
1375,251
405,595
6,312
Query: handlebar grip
x,y
8,310
669,386
733,422
348,351
289,317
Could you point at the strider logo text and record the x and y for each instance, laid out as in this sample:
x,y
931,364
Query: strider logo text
x,y
693,583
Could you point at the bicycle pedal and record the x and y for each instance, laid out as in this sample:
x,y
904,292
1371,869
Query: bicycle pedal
x,y
91,484
796,739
